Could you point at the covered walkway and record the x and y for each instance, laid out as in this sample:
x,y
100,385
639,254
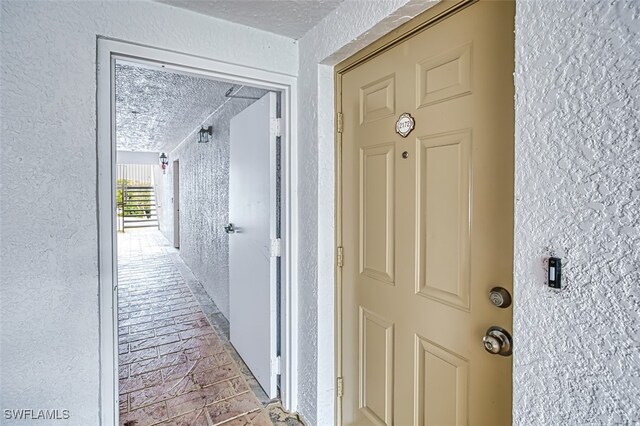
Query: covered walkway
x,y
176,365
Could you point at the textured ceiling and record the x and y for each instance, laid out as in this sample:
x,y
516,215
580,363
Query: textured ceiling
x,y
290,18
156,110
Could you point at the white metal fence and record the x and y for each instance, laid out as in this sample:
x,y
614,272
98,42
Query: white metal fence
x,y
135,198
136,174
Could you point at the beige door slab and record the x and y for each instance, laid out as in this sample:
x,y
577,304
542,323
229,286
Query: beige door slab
x,y
426,224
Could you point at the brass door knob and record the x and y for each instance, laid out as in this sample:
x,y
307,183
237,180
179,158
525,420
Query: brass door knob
x,y
498,341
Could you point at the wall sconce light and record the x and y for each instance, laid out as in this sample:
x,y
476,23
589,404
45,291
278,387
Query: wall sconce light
x,y
203,134
164,160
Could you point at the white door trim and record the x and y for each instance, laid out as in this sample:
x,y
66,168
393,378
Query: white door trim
x,y
108,51
176,204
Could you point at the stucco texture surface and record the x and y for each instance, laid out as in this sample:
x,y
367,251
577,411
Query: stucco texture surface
x,y
577,350
49,334
291,18
204,200
158,109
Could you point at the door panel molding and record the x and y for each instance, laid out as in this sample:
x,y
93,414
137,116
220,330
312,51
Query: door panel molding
x,y
376,367
431,404
377,251
444,209
378,99
443,77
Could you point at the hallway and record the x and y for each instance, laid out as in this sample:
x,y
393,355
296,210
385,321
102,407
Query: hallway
x,y
174,366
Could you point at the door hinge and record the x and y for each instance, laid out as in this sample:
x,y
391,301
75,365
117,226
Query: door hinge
x,y
276,127
340,257
339,119
339,387
276,250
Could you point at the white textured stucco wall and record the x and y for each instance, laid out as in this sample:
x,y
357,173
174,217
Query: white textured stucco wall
x,y
204,201
576,357
349,28
49,250
577,350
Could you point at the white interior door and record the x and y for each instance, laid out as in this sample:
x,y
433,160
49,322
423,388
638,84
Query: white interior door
x,y
252,211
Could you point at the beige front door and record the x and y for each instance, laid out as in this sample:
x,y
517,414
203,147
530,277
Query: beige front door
x,y
427,225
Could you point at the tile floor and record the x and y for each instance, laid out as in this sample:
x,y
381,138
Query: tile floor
x,y
176,365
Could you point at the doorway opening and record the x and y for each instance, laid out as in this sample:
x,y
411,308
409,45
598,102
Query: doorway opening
x,y
197,337
176,204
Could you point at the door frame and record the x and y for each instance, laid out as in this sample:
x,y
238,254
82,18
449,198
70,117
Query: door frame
x,y
176,202
430,17
108,51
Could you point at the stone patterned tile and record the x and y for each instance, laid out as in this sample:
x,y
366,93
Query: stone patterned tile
x,y
204,351
215,375
178,370
239,385
182,345
153,342
158,363
189,317
151,325
162,391
238,421
132,337
209,362
137,356
123,404
195,332
147,416
199,399
134,321
194,418
184,303
141,381
181,326
148,312
175,368
233,407
123,371
176,313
